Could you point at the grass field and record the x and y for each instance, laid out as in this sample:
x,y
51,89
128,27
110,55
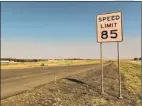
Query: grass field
x,y
15,65
136,62
131,71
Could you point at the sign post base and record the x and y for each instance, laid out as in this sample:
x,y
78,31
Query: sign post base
x,y
102,92
120,97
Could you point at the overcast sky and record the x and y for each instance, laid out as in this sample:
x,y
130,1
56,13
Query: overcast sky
x,y
65,30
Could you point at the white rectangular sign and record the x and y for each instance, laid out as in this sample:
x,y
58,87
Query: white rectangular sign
x,y
109,27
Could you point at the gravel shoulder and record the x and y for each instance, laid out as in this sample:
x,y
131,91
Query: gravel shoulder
x,y
78,90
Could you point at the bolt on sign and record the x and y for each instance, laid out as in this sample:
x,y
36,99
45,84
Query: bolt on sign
x,y
109,27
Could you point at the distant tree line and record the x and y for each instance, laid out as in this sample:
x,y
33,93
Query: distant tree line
x,y
37,60
26,60
74,59
21,60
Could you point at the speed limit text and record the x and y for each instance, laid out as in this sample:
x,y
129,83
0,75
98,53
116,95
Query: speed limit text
x,y
107,19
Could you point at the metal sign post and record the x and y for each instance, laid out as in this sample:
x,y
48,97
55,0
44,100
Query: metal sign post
x,y
102,73
119,74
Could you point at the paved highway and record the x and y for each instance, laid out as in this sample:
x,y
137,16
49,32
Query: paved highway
x,y
15,81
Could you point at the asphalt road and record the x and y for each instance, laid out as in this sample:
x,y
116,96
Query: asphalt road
x,y
15,81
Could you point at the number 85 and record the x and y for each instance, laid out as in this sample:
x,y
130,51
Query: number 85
x,y
104,34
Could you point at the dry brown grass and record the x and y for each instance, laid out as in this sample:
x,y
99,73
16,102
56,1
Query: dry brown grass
x,y
47,63
131,71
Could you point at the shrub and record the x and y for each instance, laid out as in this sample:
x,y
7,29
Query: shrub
x,y
42,64
135,58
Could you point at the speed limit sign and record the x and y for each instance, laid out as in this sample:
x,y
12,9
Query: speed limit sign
x,y
109,27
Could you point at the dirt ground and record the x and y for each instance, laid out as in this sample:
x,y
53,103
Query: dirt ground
x,y
79,90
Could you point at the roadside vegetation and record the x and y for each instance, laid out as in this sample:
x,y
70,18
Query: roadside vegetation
x,y
14,65
131,72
